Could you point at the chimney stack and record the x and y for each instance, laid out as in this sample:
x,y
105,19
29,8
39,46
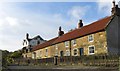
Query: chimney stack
x,y
115,9
80,24
27,36
60,33
119,4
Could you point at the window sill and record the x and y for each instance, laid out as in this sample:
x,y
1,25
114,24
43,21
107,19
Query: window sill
x,y
76,55
91,41
91,53
66,46
74,44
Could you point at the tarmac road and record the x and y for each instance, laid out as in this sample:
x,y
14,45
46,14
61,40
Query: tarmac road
x,y
69,68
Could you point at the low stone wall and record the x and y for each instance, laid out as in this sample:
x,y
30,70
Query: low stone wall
x,y
106,61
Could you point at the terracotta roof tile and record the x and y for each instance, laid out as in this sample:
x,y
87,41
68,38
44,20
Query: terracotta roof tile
x,y
91,28
45,44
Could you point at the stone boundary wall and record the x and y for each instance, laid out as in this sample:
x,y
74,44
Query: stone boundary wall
x,y
0,60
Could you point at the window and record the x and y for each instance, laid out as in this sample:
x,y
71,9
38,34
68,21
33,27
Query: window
x,y
40,53
90,38
46,50
56,47
74,42
67,53
91,49
26,50
66,44
25,56
26,42
30,49
38,42
56,51
75,52
34,55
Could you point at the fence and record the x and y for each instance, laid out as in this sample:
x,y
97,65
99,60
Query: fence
x,y
107,61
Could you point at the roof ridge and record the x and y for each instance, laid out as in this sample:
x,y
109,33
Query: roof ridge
x,y
49,41
87,25
97,20
100,24
85,30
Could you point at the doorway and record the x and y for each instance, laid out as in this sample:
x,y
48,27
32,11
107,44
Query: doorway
x,y
81,51
61,53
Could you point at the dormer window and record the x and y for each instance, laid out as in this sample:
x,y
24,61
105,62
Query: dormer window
x,y
90,38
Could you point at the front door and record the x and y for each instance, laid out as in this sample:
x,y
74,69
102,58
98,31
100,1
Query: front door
x,y
61,53
81,50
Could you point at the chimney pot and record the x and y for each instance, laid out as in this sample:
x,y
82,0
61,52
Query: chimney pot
x,y
113,3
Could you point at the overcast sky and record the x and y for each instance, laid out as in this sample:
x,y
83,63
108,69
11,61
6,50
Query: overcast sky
x,y
44,18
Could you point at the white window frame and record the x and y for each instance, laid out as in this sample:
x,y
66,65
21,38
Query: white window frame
x,y
74,44
56,50
40,54
56,47
67,42
89,50
76,51
46,53
67,53
89,37
34,55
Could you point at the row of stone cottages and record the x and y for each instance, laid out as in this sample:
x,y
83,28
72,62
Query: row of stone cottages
x,y
99,37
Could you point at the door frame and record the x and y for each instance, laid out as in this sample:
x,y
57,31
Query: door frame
x,y
81,51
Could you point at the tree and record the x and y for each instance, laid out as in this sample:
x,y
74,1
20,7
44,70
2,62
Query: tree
x,y
16,54
5,55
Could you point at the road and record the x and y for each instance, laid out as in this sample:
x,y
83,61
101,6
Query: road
x,y
57,68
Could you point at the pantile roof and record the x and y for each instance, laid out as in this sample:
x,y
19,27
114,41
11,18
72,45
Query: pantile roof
x,y
85,30
45,44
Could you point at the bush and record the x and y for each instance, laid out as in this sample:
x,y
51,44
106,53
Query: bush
x,y
16,54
